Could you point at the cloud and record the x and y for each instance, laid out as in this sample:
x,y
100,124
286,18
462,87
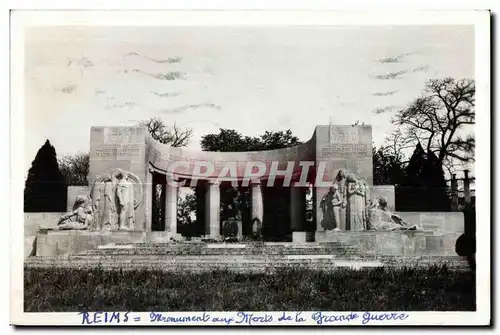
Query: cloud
x,y
384,94
385,109
172,75
165,95
421,68
187,107
395,59
169,60
99,92
82,62
391,75
128,104
68,89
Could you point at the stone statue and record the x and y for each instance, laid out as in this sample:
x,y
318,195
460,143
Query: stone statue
x,y
330,206
257,229
340,181
232,224
109,218
125,201
114,201
103,202
80,218
380,218
356,203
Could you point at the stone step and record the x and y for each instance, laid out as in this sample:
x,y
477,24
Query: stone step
x,y
229,247
220,252
255,268
239,263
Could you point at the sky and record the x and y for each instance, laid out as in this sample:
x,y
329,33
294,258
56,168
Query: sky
x,y
250,79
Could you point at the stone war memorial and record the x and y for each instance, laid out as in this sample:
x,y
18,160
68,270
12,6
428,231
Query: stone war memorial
x,y
127,216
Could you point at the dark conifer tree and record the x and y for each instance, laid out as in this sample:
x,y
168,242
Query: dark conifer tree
x,y
45,189
434,185
410,194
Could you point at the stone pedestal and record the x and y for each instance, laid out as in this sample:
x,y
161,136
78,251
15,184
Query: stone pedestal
x,y
347,148
122,148
212,210
171,208
299,237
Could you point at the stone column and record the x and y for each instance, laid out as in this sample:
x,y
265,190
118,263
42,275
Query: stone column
x,y
297,215
170,208
454,193
148,208
212,209
257,200
467,187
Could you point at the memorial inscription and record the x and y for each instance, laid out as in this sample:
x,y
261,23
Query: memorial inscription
x,y
346,150
117,150
343,135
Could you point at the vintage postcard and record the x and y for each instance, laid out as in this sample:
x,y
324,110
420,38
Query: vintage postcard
x,y
232,168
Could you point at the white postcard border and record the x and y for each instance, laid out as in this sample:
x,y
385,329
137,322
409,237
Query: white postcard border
x,y
480,19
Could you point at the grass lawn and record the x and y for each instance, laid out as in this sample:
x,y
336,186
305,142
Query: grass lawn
x,y
377,289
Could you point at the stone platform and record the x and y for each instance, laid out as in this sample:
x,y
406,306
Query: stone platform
x,y
412,243
74,242
154,250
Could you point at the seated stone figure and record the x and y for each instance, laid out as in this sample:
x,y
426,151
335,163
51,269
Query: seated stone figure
x,y
80,218
380,218
256,229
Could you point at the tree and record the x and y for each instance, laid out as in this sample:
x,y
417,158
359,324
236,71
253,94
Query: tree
x,y
75,169
229,140
423,186
387,168
185,207
175,136
45,190
434,185
437,119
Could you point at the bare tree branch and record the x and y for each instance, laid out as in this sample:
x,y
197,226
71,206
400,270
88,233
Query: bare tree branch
x,y
175,136
436,119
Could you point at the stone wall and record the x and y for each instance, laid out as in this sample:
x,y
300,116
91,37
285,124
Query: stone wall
x,y
73,192
73,242
386,191
121,148
394,243
32,223
347,148
438,222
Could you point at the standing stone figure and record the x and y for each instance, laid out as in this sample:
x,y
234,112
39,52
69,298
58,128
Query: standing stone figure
x,y
113,200
108,218
330,206
356,204
103,202
125,201
340,181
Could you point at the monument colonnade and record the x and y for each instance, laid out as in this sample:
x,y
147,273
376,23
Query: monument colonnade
x,y
133,150
212,196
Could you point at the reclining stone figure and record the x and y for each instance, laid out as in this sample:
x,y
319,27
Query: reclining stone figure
x,y
380,218
80,218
